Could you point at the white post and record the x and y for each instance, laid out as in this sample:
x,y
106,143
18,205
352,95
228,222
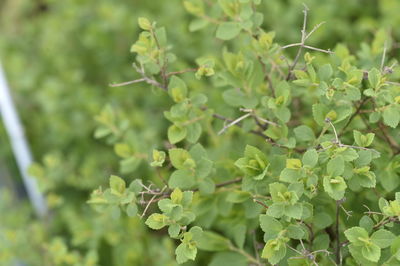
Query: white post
x,y
19,146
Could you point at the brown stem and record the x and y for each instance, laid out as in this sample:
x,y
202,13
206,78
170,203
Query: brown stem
x,y
337,251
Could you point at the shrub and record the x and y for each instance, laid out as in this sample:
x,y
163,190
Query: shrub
x,y
280,160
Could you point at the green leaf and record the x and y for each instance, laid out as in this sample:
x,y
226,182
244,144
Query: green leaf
x,y
295,232
185,252
357,235
228,30
144,23
236,97
395,247
391,116
228,259
239,235
294,211
322,220
180,158
210,241
371,252
177,89
374,78
293,164
238,196
310,158
156,221
132,210
363,140
176,134
123,150
335,186
382,238
289,175
158,158
173,230
325,72
117,185
274,251
197,24
367,223
270,225
176,196
183,179
335,166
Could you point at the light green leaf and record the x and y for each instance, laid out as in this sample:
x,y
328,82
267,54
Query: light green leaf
x,y
228,30
357,235
304,133
310,158
176,134
156,221
382,238
117,185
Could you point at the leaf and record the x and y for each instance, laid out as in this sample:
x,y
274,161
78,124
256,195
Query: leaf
x,y
325,72
371,252
374,78
176,196
210,241
235,97
177,89
382,238
156,221
132,210
355,234
270,225
304,133
228,259
239,235
322,220
173,230
228,30
176,134
293,164
185,252
294,211
117,185
335,166
179,157
367,223
391,116
363,140
238,196
158,158
183,179
310,158
335,186
197,24
295,232
274,250
122,150
144,23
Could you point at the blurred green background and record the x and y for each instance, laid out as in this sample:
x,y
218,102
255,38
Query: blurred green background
x,y
61,56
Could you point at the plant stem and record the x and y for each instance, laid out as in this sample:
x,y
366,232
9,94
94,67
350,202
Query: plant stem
x,y
337,251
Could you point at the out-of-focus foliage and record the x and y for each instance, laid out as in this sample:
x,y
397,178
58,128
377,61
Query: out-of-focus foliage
x,y
60,57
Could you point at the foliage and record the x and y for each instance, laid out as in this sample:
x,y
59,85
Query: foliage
x,y
246,148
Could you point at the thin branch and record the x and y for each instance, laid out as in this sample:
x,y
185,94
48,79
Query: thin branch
x,y
383,57
127,82
337,250
181,72
233,123
261,203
